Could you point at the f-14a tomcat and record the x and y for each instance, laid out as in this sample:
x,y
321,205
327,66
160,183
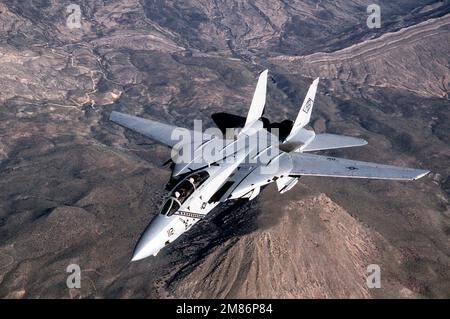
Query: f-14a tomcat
x,y
209,169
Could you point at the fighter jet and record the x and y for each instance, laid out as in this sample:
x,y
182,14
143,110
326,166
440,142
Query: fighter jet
x,y
209,169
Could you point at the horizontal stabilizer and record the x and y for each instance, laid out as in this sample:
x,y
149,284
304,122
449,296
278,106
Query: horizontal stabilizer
x,y
332,141
316,165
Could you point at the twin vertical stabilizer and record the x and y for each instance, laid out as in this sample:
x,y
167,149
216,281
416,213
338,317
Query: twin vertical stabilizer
x,y
299,139
259,101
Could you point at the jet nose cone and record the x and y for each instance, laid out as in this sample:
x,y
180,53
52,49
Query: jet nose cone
x,y
152,240
142,251
140,254
136,257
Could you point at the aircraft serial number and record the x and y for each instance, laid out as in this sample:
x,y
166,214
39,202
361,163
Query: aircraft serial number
x,y
245,308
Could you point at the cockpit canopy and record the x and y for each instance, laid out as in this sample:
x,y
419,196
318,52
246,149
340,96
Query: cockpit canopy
x,y
170,207
182,191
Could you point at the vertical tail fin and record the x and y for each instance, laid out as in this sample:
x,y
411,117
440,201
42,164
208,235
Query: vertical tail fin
x,y
304,115
300,136
259,100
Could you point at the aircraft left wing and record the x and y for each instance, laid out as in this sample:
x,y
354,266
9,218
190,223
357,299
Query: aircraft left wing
x,y
163,133
316,165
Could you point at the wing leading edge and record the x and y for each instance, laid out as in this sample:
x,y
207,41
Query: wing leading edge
x,y
316,165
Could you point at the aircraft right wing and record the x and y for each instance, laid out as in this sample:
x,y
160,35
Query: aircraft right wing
x,y
163,133
316,165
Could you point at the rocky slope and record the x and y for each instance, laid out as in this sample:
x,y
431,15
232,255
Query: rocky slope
x,y
315,250
391,61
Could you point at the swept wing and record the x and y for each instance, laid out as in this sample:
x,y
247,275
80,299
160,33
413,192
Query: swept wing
x,y
164,133
316,165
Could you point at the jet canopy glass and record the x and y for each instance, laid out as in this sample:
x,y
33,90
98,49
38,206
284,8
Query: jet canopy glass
x,y
182,191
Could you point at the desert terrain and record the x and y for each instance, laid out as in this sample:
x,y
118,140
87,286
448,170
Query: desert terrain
x,y
76,188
